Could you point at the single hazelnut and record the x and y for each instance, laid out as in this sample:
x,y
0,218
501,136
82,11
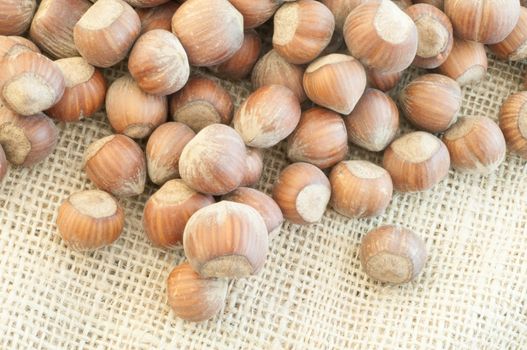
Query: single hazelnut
x,y
265,205
273,69
26,140
435,35
360,189
320,139
84,93
242,62
256,13
440,4
374,122
392,254
159,17
3,163
416,161
484,21
253,167
16,15
383,81
158,63
213,161
9,44
200,103
476,145
431,102
167,211
106,32
211,31
89,220
513,122
302,192
133,112
341,9
30,82
226,239
164,149
402,4
52,26
514,46
267,116
467,62
195,298
146,3
116,164
381,36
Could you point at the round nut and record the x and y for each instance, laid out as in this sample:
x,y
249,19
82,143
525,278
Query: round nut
x,y
467,62
16,15
514,46
513,122
383,81
253,167
159,17
256,13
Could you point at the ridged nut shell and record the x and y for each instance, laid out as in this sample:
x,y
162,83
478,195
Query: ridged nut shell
x,y
16,15
159,17
514,46
513,122
256,13
253,167
3,164
467,62
383,81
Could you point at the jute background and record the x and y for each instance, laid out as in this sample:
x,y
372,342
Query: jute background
x,y
312,292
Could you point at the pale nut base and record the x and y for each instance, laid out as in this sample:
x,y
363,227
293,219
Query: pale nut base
x,y
471,75
232,266
390,268
311,202
28,94
197,115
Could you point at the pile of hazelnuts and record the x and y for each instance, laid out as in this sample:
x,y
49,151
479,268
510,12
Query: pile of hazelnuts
x,y
340,55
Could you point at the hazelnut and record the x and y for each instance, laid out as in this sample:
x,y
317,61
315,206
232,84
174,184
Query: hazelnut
x,y
253,167
226,239
30,82
211,31
435,33
273,69
437,3
264,205
381,36
166,213
106,32
374,122
242,62
402,4
383,81
302,30
200,103
52,26
487,22
475,144
26,140
467,62
133,112
10,44
158,63
431,102
360,189
513,122
146,3
164,149
213,161
195,298
320,139
341,9
416,161
84,93
116,164
392,254
302,192
336,82
89,220
514,46
3,163
267,116
16,15
159,17
256,13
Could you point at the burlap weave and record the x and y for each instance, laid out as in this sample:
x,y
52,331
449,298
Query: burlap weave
x,y
312,292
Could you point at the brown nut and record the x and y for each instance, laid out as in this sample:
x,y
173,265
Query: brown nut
x,y
374,122
159,17
341,9
213,161
226,239
220,28
381,36
3,164
89,220
392,254
513,122
267,116
106,32
514,46
195,298
200,103
360,189
146,3
431,102
11,44
320,139
302,30
164,149
383,81
16,15
253,167
158,63
256,13
467,62
440,4
167,211
84,93
476,145
302,192
133,112
116,164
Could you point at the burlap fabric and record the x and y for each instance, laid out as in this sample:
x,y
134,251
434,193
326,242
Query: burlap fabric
x,y
312,293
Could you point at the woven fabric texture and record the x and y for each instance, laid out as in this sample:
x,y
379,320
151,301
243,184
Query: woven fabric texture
x,y
312,292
